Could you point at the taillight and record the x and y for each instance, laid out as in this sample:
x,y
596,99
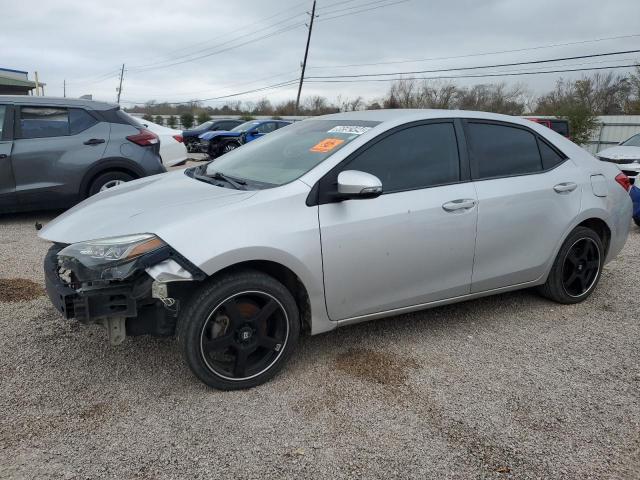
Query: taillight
x,y
144,138
623,181
179,138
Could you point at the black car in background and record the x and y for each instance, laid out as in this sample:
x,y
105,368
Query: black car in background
x,y
191,136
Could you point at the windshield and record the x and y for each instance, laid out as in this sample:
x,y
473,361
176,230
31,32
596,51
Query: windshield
x,y
633,141
243,127
289,152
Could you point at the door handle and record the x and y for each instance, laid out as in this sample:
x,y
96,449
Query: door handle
x,y
457,205
3,155
94,141
565,187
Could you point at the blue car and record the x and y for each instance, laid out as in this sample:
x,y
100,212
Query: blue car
x,y
219,143
635,196
190,136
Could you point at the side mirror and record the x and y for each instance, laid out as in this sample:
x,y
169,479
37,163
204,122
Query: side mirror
x,y
353,184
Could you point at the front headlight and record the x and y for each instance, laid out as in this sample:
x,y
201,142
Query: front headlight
x,y
109,258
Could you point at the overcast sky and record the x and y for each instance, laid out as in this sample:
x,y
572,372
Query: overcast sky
x,y
86,42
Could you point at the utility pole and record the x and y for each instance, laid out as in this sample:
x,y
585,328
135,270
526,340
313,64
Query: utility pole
x,y
120,87
37,84
306,54
64,88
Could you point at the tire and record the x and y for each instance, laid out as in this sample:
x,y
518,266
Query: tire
x,y
636,220
222,324
577,268
107,180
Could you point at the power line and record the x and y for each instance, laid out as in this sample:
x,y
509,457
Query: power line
x,y
286,28
481,75
275,15
479,54
268,87
232,40
362,10
277,32
531,62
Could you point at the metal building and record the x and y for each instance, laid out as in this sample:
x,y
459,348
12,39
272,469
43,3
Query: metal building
x,y
16,82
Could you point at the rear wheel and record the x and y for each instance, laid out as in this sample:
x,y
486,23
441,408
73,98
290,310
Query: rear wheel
x,y
577,268
108,180
238,331
636,220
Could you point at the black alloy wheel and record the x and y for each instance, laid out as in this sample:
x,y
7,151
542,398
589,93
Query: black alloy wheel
x,y
581,267
577,267
244,335
239,329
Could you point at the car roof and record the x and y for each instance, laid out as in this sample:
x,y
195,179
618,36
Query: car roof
x,y
408,115
57,101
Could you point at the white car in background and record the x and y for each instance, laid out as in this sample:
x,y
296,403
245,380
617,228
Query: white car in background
x,y
172,148
626,156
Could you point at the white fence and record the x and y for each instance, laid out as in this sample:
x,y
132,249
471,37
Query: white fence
x,y
613,129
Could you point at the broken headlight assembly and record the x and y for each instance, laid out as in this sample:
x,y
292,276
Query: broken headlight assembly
x,y
114,258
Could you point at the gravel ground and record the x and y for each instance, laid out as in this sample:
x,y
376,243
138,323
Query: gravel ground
x,y
511,386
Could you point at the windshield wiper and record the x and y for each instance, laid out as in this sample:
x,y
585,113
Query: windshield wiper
x,y
236,182
217,177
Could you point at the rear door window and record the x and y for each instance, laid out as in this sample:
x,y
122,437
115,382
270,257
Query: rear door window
x,y
550,158
42,122
80,120
501,151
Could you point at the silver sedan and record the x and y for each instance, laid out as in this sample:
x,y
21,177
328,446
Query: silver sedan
x,y
336,220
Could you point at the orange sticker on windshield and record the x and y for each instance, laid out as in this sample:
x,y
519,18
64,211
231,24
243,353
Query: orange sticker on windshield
x,y
326,145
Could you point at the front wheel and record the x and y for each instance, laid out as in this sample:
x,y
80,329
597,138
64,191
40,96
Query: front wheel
x,y
576,269
238,331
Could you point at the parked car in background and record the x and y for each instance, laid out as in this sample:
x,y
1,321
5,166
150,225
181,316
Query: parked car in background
x,y
558,125
219,143
626,156
191,135
332,221
172,149
635,197
55,152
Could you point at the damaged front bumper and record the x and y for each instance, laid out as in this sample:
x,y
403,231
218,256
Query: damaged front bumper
x,y
147,303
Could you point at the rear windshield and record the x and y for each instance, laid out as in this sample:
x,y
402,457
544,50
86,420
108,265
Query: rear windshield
x,y
131,120
560,126
289,152
633,141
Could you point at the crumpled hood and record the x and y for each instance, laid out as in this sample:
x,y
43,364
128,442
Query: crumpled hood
x,y
146,205
620,153
221,133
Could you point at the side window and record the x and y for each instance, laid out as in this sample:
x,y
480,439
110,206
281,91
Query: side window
x,y
499,151
416,157
227,125
80,120
40,122
266,127
550,158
